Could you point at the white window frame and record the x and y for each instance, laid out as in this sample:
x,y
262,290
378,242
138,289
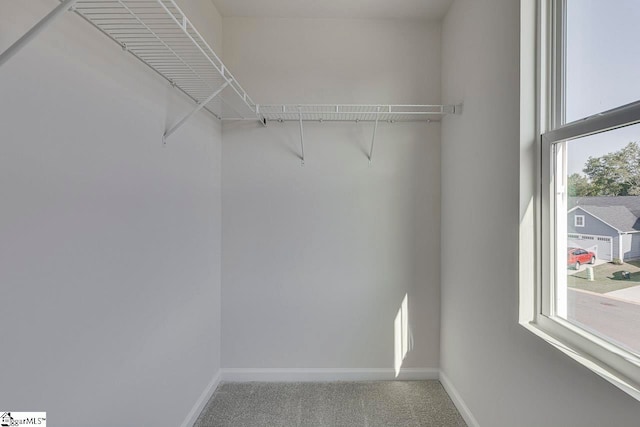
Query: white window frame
x,y
540,311
577,223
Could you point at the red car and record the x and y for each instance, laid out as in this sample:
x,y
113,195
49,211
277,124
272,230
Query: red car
x,y
577,256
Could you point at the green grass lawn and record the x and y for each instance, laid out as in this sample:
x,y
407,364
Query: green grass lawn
x,y
607,277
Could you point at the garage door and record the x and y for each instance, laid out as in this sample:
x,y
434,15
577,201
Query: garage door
x,y
602,246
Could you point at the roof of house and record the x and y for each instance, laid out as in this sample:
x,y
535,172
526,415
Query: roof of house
x,y
620,212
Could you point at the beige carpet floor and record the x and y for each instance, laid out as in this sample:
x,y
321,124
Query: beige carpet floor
x,y
348,404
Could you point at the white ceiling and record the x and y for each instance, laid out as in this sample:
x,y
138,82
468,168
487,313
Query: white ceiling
x,y
371,9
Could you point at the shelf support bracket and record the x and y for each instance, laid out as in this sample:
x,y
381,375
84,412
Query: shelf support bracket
x,y
301,136
373,138
35,30
195,110
261,118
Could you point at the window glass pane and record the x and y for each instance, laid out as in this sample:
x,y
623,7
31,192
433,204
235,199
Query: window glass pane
x,y
597,284
602,56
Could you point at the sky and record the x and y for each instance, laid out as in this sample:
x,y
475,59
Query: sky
x,y
603,70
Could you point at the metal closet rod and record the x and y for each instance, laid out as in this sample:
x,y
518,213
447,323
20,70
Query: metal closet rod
x,y
281,120
374,108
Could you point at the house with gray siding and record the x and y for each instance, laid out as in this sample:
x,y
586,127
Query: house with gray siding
x,y
608,226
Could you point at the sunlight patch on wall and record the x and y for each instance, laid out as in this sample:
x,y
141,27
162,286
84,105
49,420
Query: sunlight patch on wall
x,y
401,334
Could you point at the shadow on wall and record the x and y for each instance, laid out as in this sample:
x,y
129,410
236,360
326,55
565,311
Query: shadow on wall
x,y
403,341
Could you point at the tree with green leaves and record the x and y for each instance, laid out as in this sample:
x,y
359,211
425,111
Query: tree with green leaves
x,y
579,185
613,174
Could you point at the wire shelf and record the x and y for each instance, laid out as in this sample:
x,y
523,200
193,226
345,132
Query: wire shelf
x,y
364,113
159,34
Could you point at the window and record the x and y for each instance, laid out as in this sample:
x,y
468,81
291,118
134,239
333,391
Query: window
x,y
589,131
578,220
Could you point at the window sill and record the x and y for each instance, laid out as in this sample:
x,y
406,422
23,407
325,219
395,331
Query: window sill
x,y
582,357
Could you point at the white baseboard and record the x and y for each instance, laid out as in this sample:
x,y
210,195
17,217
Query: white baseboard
x,y
457,400
192,416
322,375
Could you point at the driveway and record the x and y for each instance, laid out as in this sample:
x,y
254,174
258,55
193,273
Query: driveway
x,y
571,271
629,294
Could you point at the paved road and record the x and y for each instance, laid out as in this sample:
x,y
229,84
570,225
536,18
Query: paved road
x,y
617,319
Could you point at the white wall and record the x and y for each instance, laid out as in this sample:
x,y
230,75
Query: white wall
x,y
507,376
109,243
317,259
